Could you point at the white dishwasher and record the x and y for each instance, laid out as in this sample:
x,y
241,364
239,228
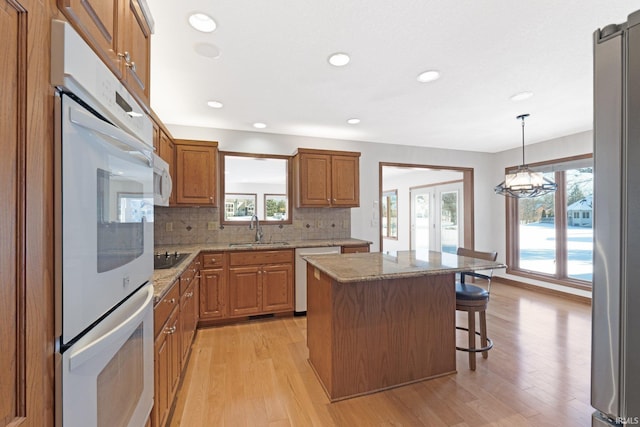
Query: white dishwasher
x,y
301,274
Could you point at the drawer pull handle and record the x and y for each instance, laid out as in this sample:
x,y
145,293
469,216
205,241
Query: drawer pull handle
x,y
171,330
170,301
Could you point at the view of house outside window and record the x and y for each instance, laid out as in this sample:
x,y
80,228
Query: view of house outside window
x,y
555,231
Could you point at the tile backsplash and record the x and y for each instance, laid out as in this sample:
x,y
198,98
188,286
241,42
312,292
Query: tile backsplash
x,y
193,225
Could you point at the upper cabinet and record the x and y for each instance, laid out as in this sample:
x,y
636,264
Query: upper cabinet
x,y
195,181
134,48
326,178
119,32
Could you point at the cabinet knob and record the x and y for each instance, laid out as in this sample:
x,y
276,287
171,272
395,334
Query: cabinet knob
x,y
126,56
170,330
170,301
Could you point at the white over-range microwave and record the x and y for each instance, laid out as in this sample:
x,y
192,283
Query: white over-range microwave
x,y
162,183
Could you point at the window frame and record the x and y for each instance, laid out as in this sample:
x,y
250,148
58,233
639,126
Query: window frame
x,y
513,235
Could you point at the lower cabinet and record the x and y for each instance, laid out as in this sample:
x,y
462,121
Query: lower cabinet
x,y
167,355
213,286
260,282
175,321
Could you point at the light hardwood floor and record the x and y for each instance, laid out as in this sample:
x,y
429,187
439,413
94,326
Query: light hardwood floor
x,y
537,374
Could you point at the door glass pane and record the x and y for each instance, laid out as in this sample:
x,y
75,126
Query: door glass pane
x,y
537,233
580,223
449,235
422,221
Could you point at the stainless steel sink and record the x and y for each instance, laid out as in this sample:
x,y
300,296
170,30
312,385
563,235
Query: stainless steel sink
x,y
256,244
167,260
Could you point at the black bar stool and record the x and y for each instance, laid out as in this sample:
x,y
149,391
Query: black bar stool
x,y
475,299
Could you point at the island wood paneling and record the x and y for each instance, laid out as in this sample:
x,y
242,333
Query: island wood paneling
x,y
377,335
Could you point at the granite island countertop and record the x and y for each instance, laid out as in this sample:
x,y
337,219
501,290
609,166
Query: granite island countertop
x,y
162,279
349,268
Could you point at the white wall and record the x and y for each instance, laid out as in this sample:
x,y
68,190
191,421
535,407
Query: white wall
x,y
488,172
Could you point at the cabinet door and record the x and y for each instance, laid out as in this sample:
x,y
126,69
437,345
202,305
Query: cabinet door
x,y
213,294
244,287
161,380
167,151
135,42
195,179
188,318
277,287
314,180
97,20
174,348
345,181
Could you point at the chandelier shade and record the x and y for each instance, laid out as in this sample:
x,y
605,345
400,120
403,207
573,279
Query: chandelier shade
x,y
524,183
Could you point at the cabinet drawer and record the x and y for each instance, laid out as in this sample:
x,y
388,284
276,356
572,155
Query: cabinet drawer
x,y
260,257
213,259
163,309
355,249
188,275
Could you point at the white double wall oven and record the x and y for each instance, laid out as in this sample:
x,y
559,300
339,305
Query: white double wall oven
x,y
104,237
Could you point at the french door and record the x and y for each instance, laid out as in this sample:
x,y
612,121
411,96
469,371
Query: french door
x,y
436,218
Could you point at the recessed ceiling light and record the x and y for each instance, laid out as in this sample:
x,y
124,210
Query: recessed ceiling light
x,y
339,59
428,76
353,121
207,49
215,104
521,96
202,22
259,125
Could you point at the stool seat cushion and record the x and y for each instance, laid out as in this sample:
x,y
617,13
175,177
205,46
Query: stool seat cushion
x,y
465,291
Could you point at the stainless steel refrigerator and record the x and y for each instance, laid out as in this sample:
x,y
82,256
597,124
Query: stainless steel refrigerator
x,y
615,354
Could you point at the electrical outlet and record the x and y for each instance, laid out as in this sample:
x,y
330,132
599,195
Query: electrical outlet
x,y
211,225
168,226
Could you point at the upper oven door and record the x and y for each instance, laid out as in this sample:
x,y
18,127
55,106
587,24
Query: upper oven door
x,y
107,216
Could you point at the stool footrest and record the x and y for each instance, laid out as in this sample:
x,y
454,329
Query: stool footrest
x,y
488,347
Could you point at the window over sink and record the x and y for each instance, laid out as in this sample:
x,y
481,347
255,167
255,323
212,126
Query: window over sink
x,y
255,184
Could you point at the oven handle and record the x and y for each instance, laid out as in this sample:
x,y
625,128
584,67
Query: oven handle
x,y
92,349
88,121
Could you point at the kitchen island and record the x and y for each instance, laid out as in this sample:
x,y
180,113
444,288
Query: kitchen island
x,y
376,321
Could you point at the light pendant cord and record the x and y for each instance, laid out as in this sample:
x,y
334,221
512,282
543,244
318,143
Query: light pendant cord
x,y
522,117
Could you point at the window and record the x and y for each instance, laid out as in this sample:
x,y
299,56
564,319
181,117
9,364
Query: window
x,y
551,237
390,214
275,207
239,207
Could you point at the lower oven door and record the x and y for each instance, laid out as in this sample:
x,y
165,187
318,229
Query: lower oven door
x,y
107,376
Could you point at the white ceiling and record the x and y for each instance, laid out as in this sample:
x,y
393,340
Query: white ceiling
x,y
273,68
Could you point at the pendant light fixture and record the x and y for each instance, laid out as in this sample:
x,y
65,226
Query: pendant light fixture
x,y
524,183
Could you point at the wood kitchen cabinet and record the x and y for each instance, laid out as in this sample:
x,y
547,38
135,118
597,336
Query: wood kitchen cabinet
x,y
260,282
195,180
213,286
120,34
355,249
167,356
189,286
324,178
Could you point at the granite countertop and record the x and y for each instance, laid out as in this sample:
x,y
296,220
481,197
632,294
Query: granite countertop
x,y
346,268
162,279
